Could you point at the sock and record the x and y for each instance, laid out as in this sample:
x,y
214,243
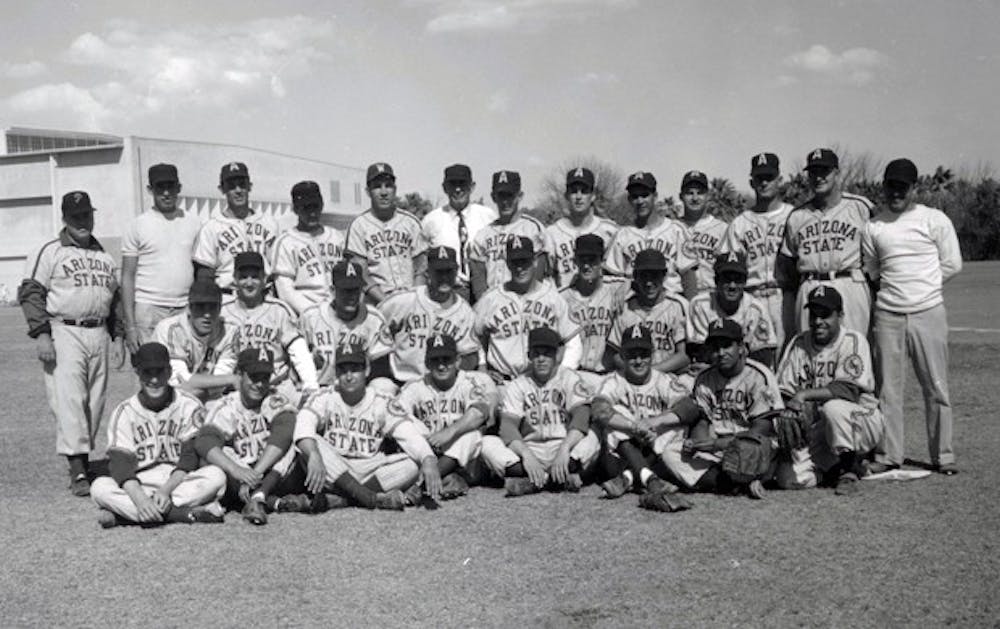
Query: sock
x,y
362,495
446,465
644,475
848,462
709,480
177,514
633,456
612,465
373,484
77,464
574,466
267,485
629,478
514,470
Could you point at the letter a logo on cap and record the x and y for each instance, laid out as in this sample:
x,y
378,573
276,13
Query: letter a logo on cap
x,y
760,160
438,341
636,332
733,257
515,243
263,357
380,167
350,270
638,174
820,291
817,154
503,177
442,253
578,172
77,196
233,166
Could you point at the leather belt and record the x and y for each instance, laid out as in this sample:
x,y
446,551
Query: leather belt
x,y
83,323
812,275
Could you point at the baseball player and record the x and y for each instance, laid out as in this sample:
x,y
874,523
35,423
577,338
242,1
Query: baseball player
x,y
449,407
826,376
340,433
248,435
581,219
652,230
628,404
729,301
156,258
386,240
266,322
305,254
506,314
911,250
705,232
545,436
822,243
487,254
595,301
665,314
154,472
413,316
758,233
69,297
201,343
457,223
237,227
345,319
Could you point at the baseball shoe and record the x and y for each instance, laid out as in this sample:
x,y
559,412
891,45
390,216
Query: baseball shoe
x,y
212,513
79,486
390,500
657,484
293,503
323,502
573,483
253,512
519,486
756,490
948,469
106,519
875,467
453,486
847,484
414,495
663,501
616,487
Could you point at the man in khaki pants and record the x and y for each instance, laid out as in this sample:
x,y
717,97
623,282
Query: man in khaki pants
x,y
911,250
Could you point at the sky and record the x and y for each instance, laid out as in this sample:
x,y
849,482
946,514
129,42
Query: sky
x,y
526,85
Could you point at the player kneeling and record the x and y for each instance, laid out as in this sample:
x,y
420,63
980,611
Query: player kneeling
x,y
341,431
249,436
448,407
155,476
545,435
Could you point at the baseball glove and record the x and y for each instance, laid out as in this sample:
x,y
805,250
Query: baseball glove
x,y
747,458
790,430
664,501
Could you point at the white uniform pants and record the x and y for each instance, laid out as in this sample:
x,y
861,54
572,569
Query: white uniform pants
x,y
499,457
199,487
393,471
76,385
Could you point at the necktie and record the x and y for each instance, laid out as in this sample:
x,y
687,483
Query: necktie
x,y
463,238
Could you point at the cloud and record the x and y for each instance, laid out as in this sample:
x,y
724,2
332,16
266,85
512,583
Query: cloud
x,y
454,16
89,113
597,78
27,70
499,102
855,65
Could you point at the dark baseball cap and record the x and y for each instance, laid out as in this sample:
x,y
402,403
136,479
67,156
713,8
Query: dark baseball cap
x,y
204,291
544,337
825,297
248,259
520,248
151,356
901,170
442,258
506,181
694,178
232,170
162,173
580,175
379,170
764,164
641,179
441,345
306,194
724,329
589,244
351,354
76,202
822,158
347,275
636,337
650,260
732,262
255,360
458,172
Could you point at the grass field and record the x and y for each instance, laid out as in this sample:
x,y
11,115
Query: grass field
x,y
918,553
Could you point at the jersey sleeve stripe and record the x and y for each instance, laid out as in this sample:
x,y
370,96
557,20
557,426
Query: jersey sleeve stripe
x,y
34,269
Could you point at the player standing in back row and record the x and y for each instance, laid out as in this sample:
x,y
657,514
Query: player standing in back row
x,y
704,231
580,197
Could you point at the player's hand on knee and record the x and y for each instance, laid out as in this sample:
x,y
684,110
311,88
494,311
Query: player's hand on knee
x,y
535,470
315,474
148,511
560,467
46,350
440,439
432,477
247,476
161,501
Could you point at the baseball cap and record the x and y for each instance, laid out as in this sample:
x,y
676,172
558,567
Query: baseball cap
x,y
458,172
901,170
347,275
151,356
694,177
764,164
580,175
520,248
442,258
441,345
641,179
246,259
306,193
822,158
724,329
233,170
162,173
591,244
506,181
255,360
636,337
204,291
650,260
379,170
732,262
825,297
544,337
351,354
76,202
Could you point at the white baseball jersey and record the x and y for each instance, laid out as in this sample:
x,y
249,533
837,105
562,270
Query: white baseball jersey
x,y
596,314
308,260
247,430
731,403
224,235
752,315
666,322
388,247
422,402
155,437
758,235
656,396
827,241
80,282
562,240
704,242
212,354
355,432
846,358
490,245
162,248
545,409
271,325
668,237
325,332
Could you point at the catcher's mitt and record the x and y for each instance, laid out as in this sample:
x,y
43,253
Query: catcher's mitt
x,y
790,430
747,458
664,501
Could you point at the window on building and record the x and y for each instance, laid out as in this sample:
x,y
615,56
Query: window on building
x,y
334,191
357,193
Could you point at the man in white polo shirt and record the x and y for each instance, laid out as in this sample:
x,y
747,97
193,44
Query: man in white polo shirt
x,y
910,250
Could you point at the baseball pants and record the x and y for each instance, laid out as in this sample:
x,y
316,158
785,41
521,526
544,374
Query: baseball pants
x,y
857,302
592,379
498,457
780,309
924,337
76,385
148,315
199,487
687,469
463,448
393,471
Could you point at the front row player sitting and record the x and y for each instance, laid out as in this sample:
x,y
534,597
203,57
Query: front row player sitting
x,y
545,435
154,473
